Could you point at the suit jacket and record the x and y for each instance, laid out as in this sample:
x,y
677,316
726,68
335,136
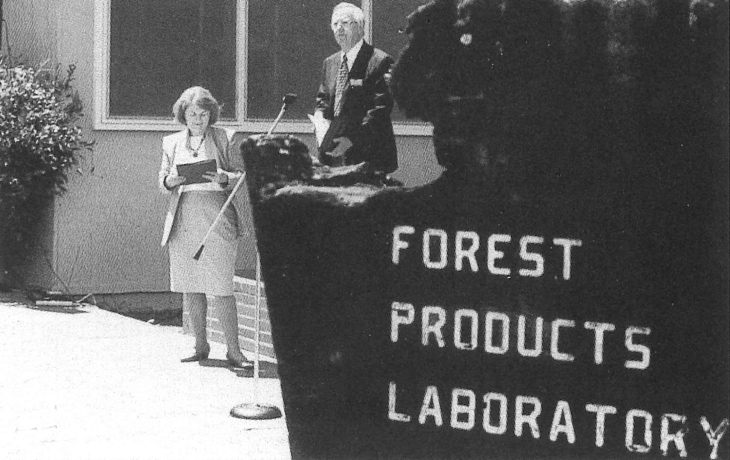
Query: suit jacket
x,y
220,143
366,107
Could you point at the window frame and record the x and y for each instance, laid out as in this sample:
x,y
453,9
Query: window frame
x,y
103,121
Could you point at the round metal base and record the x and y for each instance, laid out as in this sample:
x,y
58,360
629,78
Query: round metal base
x,y
256,412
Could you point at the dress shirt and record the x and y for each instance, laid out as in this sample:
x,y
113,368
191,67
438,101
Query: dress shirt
x,y
352,54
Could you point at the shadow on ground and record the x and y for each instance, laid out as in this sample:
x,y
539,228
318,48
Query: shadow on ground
x,y
267,370
161,318
68,310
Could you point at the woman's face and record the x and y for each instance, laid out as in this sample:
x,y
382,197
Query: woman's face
x,y
197,120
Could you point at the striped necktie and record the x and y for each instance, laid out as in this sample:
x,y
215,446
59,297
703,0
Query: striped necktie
x,y
341,83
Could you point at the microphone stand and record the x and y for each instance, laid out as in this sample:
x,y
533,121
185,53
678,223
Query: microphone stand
x,y
256,410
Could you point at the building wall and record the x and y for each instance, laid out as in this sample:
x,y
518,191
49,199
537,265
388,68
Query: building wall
x,y
103,235
30,29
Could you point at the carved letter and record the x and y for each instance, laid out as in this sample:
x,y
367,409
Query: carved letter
x,y
399,244
474,321
396,319
567,245
677,437
427,328
443,242
531,256
643,349
555,337
431,407
493,254
714,436
392,414
601,412
599,329
469,254
487,419
630,415
521,337
469,409
562,411
531,419
489,320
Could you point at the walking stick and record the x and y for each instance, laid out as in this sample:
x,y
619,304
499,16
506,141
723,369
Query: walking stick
x,y
219,216
255,410
288,99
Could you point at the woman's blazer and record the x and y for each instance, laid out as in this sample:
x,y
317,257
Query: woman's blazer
x,y
219,142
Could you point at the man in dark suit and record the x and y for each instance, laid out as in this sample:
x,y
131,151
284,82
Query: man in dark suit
x,y
354,96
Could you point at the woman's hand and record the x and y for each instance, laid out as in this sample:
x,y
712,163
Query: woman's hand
x,y
173,181
218,178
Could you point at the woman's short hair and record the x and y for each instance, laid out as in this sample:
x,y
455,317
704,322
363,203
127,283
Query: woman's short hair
x,y
353,11
199,97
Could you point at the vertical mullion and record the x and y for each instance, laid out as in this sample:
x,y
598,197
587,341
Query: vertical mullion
x,y
200,47
242,61
367,8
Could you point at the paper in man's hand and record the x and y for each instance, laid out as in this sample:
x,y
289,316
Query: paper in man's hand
x,y
321,125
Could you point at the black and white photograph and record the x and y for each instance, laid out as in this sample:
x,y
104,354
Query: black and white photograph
x,y
364,230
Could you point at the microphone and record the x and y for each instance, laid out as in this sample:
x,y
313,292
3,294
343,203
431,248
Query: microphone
x,y
289,98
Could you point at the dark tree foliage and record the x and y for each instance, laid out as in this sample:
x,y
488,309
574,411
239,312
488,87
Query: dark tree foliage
x,y
39,141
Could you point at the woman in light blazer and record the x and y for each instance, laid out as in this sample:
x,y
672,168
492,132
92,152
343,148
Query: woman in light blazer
x,y
191,211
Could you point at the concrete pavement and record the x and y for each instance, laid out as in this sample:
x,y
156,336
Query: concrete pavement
x,y
84,383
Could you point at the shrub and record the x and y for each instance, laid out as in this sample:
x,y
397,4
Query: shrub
x,y
39,141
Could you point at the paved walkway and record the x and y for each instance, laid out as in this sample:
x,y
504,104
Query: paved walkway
x,y
85,383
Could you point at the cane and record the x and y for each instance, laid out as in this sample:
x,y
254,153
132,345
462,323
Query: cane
x,y
219,216
288,99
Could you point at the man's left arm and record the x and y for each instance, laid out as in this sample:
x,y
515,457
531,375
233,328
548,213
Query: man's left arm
x,y
376,105
382,101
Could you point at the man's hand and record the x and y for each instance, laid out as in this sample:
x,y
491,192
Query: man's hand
x,y
338,154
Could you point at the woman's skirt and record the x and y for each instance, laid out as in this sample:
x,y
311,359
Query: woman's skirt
x,y
212,274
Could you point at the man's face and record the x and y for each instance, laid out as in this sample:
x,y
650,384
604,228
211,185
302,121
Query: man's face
x,y
347,31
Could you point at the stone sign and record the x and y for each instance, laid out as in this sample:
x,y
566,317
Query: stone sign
x,y
561,291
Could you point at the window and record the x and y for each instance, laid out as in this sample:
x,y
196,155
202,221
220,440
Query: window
x,y
388,27
249,53
287,42
177,42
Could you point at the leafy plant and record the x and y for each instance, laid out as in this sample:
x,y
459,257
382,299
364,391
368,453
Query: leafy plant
x,y
39,142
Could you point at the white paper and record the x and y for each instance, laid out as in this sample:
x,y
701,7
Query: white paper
x,y
321,125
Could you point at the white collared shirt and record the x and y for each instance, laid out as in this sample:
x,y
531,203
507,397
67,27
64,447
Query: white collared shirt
x,y
352,54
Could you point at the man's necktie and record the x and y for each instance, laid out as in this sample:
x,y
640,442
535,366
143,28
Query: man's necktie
x,y
341,83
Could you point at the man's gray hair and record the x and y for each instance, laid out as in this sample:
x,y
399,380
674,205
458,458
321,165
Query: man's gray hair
x,y
353,10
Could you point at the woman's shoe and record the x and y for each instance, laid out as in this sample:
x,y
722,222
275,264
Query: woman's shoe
x,y
198,356
242,363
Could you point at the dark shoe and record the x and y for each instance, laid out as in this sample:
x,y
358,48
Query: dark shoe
x,y
239,363
199,356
